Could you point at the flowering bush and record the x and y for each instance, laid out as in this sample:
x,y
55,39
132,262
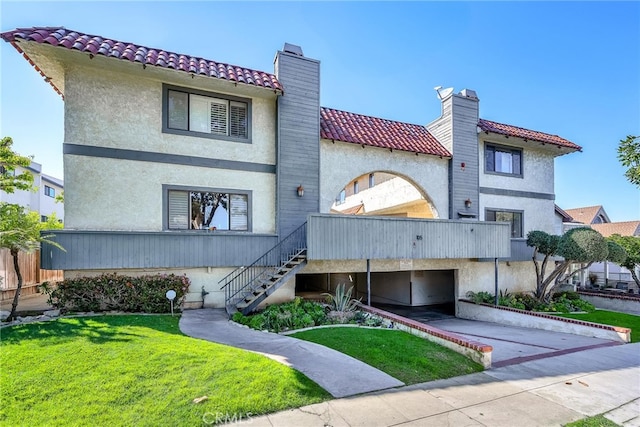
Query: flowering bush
x,y
145,294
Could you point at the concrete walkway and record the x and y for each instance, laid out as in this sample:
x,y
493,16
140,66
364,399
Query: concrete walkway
x,y
547,392
339,374
514,344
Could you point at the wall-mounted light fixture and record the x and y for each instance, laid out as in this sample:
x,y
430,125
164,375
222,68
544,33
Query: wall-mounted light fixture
x,y
462,166
300,190
467,203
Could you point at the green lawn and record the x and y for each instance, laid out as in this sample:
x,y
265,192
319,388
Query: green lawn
x,y
597,421
612,318
136,370
404,356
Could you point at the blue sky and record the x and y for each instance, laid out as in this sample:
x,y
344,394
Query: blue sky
x,y
566,68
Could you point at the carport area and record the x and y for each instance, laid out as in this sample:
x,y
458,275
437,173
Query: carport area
x,y
513,344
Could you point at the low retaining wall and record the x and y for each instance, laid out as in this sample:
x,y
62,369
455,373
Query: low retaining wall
x,y
474,350
527,319
622,303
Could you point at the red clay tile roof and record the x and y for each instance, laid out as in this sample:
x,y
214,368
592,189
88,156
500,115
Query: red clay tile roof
x,y
354,210
365,130
96,45
627,228
587,214
532,135
565,216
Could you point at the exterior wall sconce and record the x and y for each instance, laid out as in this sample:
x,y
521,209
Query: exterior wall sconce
x,y
462,166
300,190
467,203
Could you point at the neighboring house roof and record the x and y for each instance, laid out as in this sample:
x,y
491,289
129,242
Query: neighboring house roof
x,y
526,134
587,215
97,45
627,228
354,210
565,216
339,125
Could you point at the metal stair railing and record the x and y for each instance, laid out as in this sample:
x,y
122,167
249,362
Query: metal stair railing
x,y
243,279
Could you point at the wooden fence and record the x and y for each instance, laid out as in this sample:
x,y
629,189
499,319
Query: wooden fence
x,y
32,274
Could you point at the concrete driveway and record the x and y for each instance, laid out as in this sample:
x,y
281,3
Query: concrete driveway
x,y
513,344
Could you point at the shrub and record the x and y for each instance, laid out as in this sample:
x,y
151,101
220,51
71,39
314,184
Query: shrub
x,y
481,297
368,319
582,305
570,295
296,314
342,301
106,292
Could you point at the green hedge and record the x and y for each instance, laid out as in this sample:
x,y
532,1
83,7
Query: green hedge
x,y
145,294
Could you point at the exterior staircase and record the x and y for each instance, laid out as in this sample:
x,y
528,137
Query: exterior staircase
x,y
246,287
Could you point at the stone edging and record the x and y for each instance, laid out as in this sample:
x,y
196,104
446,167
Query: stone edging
x,y
448,336
552,317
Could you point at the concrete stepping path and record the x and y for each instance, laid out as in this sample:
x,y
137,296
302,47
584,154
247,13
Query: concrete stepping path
x,y
339,374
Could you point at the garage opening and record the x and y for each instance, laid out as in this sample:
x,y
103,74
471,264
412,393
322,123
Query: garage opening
x,y
421,295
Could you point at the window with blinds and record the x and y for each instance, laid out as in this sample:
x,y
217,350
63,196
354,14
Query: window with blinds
x,y
215,116
207,210
178,210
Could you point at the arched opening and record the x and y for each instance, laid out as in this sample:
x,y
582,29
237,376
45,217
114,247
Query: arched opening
x,y
418,292
383,193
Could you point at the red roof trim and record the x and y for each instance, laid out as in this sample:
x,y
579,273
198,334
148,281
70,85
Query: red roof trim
x,y
338,125
97,45
526,134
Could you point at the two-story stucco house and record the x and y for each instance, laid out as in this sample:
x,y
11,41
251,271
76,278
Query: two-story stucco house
x,y
185,165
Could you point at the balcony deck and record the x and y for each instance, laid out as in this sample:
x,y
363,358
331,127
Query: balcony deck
x,y
329,237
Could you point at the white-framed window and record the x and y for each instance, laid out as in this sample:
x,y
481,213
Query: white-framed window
x,y
49,191
341,197
207,210
514,217
503,160
199,113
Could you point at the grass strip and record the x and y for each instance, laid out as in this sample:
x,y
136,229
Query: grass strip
x,y
409,358
611,318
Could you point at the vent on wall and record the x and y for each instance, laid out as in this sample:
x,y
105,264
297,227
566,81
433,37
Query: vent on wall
x,y
292,48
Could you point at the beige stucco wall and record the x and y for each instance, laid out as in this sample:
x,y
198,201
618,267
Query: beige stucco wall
x,y
538,213
395,193
471,275
537,177
537,170
341,162
119,110
97,200
199,277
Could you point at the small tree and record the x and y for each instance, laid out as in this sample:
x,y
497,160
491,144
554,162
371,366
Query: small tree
x,y
20,232
631,245
9,161
629,156
579,245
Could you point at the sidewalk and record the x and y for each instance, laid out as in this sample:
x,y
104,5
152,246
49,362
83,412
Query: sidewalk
x,y
35,302
546,392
